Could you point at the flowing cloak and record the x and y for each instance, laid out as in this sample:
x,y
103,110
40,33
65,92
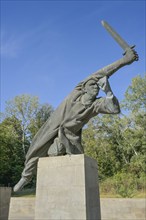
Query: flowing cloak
x,y
71,114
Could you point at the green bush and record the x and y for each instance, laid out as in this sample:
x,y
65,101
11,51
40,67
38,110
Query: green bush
x,y
141,183
124,184
107,186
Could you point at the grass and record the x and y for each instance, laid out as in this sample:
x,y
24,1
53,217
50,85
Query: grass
x,y
137,195
25,193
32,192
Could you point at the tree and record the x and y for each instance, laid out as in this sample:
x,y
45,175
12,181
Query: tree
x,y
30,113
23,108
22,119
43,113
118,142
11,156
135,96
100,142
135,102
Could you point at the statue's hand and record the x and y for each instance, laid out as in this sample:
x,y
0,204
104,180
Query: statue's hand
x,y
130,56
104,85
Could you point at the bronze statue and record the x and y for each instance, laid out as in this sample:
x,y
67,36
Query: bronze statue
x,y
61,133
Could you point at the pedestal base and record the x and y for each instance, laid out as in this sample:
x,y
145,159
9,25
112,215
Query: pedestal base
x,y
67,189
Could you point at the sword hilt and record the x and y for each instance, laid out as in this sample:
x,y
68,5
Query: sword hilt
x,y
135,57
127,48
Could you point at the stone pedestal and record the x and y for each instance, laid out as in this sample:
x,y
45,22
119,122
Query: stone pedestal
x,y
5,195
67,189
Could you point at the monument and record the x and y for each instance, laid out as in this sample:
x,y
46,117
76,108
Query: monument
x,y
67,185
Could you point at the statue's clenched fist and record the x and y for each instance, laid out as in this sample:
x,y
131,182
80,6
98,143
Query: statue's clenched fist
x,y
130,56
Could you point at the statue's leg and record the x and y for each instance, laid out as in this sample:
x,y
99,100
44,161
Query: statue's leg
x,y
29,170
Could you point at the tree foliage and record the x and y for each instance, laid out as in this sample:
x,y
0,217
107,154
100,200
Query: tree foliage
x,y
30,113
22,118
11,156
135,96
43,113
118,142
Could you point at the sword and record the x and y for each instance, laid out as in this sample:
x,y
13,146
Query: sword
x,y
117,37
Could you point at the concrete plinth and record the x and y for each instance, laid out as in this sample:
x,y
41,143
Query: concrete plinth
x,y
5,195
67,189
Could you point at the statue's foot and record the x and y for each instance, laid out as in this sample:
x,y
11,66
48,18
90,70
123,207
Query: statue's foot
x,y
19,186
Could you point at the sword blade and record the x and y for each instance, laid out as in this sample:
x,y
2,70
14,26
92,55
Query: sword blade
x,y
115,35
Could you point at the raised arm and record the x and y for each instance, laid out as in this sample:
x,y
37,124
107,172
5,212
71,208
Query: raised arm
x,y
129,57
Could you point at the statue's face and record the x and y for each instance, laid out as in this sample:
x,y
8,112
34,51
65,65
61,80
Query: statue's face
x,y
91,88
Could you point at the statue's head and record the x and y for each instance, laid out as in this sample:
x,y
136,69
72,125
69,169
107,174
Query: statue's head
x,y
91,88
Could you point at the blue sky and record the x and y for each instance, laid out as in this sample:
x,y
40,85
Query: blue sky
x,y
47,47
